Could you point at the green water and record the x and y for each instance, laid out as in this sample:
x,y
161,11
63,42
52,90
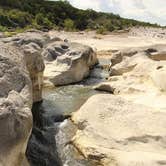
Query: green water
x,y
50,131
67,99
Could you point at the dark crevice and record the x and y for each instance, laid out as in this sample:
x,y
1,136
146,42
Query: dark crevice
x,y
41,150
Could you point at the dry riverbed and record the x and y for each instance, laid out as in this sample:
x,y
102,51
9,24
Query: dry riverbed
x,y
115,41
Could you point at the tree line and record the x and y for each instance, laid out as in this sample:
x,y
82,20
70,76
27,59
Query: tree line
x,y
42,14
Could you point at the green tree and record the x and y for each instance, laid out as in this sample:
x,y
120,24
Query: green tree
x,y
69,25
43,21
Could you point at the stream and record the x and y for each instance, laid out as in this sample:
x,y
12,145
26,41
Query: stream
x,y
49,144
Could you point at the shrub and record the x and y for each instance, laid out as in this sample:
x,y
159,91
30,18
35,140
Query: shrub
x,y
3,29
43,21
69,25
101,30
19,18
109,26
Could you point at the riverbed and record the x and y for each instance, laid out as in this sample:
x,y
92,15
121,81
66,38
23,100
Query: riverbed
x,y
49,144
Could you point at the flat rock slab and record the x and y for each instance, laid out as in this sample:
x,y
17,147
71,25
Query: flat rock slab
x,y
115,131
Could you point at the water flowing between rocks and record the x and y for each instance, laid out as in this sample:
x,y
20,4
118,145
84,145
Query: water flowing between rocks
x,y
49,144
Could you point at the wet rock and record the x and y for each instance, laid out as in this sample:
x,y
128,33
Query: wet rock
x,y
42,149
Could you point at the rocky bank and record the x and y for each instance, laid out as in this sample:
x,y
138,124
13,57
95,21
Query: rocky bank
x,y
67,62
127,126
23,59
20,86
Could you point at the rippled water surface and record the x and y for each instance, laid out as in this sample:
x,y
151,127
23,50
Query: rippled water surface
x,y
67,99
45,139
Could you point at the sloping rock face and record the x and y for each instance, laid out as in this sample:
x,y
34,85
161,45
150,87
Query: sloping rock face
x,y
15,106
31,44
67,63
127,127
117,132
21,79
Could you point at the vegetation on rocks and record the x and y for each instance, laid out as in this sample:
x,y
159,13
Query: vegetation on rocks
x,y
41,14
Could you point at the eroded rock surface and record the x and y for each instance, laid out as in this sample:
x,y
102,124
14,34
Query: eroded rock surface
x,y
117,132
21,75
140,77
15,106
67,63
22,80
31,44
126,127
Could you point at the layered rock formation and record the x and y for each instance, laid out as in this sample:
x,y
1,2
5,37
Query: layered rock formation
x,y
67,63
21,70
15,106
30,44
21,81
127,127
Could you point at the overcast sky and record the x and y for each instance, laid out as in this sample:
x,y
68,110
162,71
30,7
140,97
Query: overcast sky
x,y
146,10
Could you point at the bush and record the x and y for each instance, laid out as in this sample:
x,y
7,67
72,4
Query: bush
x,y
3,29
19,18
109,26
43,21
39,18
101,31
69,25
14,18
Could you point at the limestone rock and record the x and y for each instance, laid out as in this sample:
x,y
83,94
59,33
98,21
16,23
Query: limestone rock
x,y
127,128
117,132
68,62
15,106
35,66
34,36
21,74
30,44
139,78
55,49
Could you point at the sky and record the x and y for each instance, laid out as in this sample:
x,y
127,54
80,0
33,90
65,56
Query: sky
x,y
153,11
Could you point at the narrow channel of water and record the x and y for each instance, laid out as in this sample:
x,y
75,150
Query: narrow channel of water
x,y
47,145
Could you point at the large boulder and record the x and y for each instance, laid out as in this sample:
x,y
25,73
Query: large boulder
x,y
67,63
128,127
21,79
117,132
15,106
30,43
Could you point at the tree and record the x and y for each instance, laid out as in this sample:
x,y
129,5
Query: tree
x,y
69,25
43,21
